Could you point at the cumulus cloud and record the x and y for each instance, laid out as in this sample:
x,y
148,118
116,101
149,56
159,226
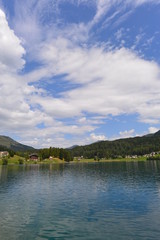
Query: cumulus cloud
x,y
18,115
11,51
95,138
153,130
13,108
127,134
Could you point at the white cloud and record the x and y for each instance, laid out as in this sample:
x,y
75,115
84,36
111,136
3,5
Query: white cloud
x,y
13,108
95,138
119,34
127,134
111,82
92,120
153,130
18,115
30,18
11,51
103,7
140,2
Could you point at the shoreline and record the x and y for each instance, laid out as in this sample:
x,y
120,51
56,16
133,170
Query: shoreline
x,y
15,161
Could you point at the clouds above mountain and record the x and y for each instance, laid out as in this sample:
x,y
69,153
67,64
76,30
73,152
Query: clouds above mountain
x,y
110,82
61,79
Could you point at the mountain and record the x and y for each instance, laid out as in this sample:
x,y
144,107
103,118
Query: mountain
x,y
157,133
11,144
102,149
120,148
72,147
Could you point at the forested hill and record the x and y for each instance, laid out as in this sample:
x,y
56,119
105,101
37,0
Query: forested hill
x,y
9,143
120,148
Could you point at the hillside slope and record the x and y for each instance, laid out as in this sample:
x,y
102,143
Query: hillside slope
x,y
11,144
121,147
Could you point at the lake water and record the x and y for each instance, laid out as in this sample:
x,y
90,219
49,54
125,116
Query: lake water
x,y
110,201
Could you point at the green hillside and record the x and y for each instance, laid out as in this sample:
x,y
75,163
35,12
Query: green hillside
x,y
103,149
11,144
120,148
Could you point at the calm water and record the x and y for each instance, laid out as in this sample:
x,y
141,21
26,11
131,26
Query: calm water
x,y
111,201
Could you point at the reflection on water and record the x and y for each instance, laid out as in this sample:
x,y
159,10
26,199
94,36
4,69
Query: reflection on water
x,y
116,200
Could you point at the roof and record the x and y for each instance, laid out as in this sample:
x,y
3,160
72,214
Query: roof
x,y
33,154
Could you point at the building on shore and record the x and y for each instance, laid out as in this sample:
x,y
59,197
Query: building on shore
x,y
33,156
4,154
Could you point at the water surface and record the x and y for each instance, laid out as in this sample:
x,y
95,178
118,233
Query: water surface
x,y
116,200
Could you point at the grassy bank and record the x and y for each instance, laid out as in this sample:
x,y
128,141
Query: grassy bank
x,y
109,160
21,160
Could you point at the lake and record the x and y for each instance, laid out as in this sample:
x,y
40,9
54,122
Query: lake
x,y
110,201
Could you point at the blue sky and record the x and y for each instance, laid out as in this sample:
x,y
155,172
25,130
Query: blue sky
x,y
79,71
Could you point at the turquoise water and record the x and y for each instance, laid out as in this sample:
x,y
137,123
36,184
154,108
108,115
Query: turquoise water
x,y
111,201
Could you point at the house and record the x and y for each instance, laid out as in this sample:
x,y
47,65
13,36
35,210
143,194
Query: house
x,y
33,156
4,154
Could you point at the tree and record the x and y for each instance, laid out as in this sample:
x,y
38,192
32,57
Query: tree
x,y
4,161
20,160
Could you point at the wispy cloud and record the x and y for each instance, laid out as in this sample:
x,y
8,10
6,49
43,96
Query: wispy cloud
x,y
31,20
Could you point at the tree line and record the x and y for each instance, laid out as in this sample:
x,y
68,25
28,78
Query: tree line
x,y
60,153
44,153
119,148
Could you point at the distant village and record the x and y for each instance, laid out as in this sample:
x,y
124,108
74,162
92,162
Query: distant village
x,y
152,154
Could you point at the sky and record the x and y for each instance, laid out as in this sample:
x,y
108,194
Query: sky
x,y
73,72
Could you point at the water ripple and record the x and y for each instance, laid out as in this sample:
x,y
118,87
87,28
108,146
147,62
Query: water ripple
x,y
81,201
